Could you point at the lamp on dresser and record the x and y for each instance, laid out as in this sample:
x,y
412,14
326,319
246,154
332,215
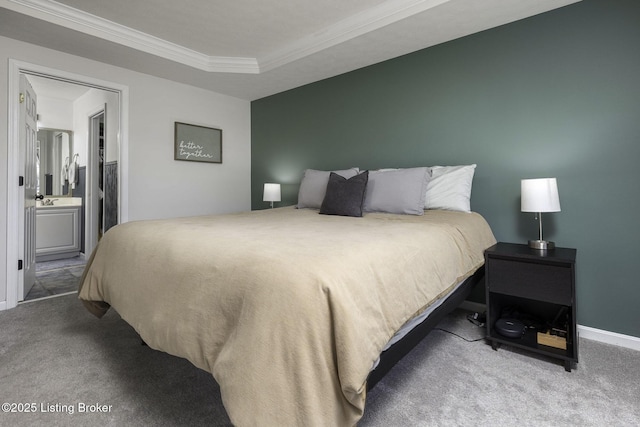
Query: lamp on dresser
x,y
540,195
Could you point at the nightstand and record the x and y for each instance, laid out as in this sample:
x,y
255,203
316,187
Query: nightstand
x,y
537,289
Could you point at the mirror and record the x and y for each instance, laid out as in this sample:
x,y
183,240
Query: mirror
x,y
55,163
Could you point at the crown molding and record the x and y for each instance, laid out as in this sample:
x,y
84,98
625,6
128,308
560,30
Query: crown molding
x,y
354,26
74,19
347,29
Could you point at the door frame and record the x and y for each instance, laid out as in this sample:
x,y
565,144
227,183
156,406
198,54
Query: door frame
x,y
93,205
16,68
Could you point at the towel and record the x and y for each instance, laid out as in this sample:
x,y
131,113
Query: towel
x,y
73,174
64,175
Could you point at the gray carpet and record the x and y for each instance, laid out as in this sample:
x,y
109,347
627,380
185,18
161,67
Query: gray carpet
x,y
55,354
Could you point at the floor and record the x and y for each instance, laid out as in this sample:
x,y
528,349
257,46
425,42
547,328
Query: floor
x,y
57,277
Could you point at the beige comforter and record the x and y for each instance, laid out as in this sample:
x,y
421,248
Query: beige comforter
x,y
287,308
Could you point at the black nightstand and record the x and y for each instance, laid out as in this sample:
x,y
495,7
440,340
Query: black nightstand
x,y
537,288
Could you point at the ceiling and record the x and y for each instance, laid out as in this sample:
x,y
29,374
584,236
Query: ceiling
x,y
252,48
55,89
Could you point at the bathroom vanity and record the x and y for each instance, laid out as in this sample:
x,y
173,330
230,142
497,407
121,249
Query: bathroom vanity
x,y
58,228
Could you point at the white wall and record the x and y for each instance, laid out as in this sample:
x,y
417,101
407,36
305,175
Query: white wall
x,y
178,188
159,187
55,113
88,104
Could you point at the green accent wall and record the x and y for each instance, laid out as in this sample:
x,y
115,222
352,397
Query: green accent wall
x,y
554,95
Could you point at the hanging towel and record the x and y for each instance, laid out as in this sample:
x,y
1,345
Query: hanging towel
x,y
64,175
73,174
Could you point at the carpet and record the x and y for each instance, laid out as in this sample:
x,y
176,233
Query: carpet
x,y
78,370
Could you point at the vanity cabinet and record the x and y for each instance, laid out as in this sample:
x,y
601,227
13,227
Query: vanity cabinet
x,y
57,232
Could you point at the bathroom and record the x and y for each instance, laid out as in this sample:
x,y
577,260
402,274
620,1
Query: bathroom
x,y
77,190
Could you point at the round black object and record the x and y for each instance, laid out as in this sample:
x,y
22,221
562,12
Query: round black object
x,y
510,328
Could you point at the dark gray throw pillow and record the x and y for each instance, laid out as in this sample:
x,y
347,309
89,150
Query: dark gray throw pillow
x,y
345,196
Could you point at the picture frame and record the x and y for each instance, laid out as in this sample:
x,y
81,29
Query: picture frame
x,y
195,143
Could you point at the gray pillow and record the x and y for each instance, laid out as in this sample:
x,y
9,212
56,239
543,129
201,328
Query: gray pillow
x,y
399,191
345,196
314,186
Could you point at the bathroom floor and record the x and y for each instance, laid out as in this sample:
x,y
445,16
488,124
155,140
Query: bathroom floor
x,y
57,277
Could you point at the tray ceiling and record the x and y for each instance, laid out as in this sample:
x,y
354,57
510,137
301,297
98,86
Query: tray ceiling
x,y
250,49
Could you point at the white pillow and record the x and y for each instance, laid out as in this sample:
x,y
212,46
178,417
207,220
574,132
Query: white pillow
x,y
314,186
450,188
399,191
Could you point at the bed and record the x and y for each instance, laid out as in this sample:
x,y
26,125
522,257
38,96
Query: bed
x,y
288,309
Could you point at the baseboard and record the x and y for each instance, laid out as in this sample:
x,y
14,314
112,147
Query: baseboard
x,y
600,335
3,305
608,337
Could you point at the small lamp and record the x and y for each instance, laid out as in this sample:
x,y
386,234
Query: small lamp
x,y
271,193
540,195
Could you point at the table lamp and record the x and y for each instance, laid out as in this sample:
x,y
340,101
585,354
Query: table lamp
x,y
540,195
271,193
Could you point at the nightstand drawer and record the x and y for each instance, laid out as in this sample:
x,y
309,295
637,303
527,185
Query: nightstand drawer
x,y
543,282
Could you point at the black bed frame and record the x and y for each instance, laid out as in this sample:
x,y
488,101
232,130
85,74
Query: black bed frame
x,y
397,351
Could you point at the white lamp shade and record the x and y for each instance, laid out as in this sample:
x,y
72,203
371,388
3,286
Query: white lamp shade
x,y
539,195
271,193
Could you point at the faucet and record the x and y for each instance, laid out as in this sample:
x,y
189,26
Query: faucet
x,y
48,202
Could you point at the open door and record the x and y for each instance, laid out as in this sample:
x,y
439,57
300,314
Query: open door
x,y
27,164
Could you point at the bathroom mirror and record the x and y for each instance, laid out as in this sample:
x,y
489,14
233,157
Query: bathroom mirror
x,y
55,163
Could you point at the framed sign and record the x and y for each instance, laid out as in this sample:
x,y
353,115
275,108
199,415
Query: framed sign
x,y
197,143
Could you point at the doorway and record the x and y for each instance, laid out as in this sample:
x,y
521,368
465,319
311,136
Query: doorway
x,y
118,102
70,182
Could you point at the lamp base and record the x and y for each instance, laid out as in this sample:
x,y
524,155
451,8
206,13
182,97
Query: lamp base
x,y
541,245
